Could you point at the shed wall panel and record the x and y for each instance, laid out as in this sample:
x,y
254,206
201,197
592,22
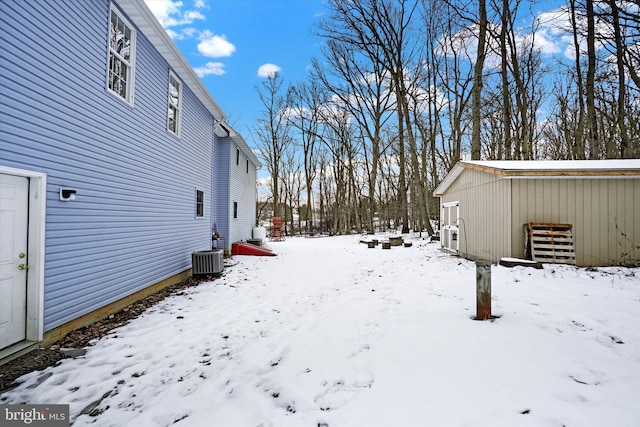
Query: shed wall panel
x,y
601,211
484,213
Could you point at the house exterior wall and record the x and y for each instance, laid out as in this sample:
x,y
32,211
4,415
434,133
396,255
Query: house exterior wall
x,y
484,214
215,183
133,222
222,197
243,192
240,188
603,213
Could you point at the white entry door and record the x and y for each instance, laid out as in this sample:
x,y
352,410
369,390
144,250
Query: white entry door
x,y
14,214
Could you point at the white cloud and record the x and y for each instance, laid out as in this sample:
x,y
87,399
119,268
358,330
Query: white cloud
x,y
555,33
210,68
184,33
268,70
214,46
546,42
192,15
174,35
169,13
162,9
199,4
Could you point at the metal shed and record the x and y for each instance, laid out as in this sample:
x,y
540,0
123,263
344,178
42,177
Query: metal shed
x,y
484,206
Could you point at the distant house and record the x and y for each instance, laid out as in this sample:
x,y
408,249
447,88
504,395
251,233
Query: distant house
x,y
485,206
112,155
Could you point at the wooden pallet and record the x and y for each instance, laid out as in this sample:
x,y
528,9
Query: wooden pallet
x,y
551,243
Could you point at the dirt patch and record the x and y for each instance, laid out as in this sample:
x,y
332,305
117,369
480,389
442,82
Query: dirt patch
x,y
41,358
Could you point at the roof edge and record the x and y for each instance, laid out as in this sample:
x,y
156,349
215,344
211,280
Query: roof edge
x,y
611,167
514,169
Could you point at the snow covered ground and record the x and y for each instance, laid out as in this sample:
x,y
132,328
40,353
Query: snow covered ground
x,y
332,333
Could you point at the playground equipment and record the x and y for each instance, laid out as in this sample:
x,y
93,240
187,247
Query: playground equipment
x,y
276,230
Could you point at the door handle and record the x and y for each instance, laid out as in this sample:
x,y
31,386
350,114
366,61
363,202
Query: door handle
x,y
23,267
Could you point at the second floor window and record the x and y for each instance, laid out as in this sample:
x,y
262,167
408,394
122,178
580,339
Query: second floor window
x,y
175,104
121,54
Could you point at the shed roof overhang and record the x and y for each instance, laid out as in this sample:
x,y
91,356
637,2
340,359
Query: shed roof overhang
x,y
536,169
147,23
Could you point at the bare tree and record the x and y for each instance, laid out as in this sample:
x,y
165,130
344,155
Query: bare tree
x,y
354,72
339,143
291,185
592,123
273,132
456,80
624,46
306,100
476,91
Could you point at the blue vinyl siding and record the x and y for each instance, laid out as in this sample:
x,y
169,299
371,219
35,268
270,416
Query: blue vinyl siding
x,y
243,191
133,223
239,187
225,209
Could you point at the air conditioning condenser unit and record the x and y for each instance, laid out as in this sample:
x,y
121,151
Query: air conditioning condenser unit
x,y
207,262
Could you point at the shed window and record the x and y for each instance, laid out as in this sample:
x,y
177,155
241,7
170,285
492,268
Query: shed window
x,y
247,165
237,156
199,204
235,209
175,104
121,57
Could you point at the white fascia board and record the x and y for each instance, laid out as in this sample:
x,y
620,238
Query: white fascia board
x,y
607,167
448,180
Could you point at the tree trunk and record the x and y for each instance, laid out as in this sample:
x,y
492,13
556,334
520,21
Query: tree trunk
x,y
592,120
476,105
622,85
579,147
505,152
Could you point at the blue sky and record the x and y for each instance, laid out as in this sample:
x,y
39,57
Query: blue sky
x,y
234,44
228,41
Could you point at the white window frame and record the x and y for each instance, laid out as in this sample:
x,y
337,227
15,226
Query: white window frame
x,y
177,106
196,204
130,77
